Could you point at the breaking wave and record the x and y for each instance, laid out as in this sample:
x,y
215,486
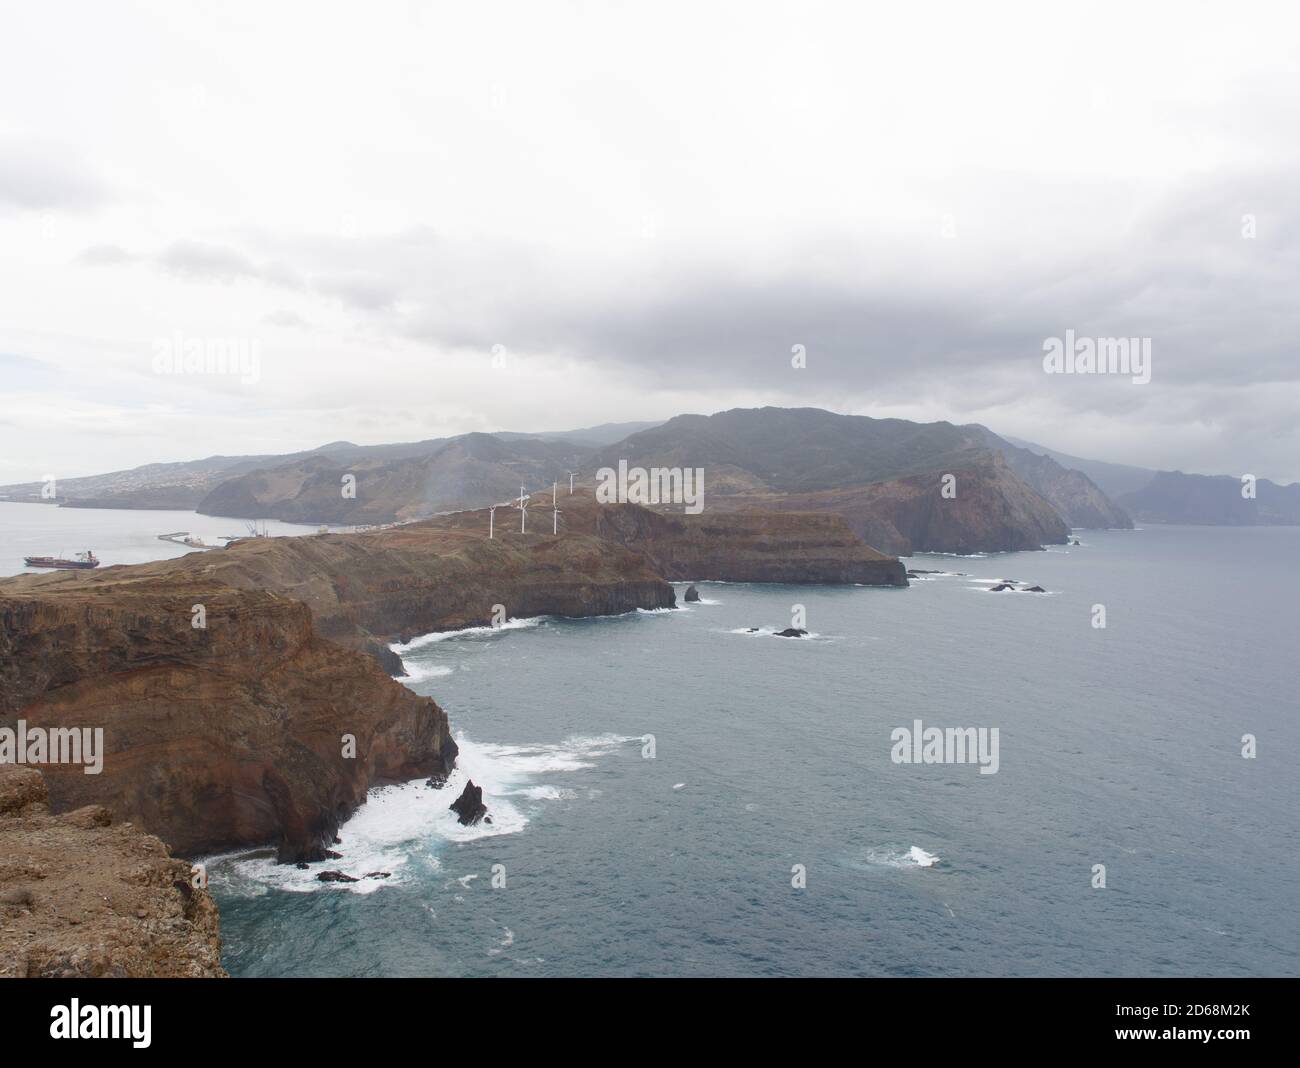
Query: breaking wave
x,y
400,829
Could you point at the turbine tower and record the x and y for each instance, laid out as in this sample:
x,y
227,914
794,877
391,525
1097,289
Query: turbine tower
x,y
523,511
492,516
571,474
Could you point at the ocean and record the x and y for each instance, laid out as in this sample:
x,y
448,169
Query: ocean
x,y
1119,747
114,535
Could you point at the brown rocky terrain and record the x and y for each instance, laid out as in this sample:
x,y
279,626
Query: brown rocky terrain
x,y
214,738
269,723
83,897
791,546
992,510
768,457
232,734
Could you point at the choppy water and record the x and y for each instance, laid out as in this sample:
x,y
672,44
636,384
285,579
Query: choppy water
x,y
1119,747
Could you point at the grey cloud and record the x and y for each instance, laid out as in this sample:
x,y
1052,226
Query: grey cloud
x,y
364,292
104,256
284,317
38,177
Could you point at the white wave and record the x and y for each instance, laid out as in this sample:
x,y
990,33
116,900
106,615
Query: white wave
x,y
399,828
915,857
770,632
467,632
661,611
419,671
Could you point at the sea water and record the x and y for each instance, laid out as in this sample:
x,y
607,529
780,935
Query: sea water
x,y
658,781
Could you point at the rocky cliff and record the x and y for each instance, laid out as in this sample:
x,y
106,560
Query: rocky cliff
x,y
992,510
83,897
1214,500
226,735
759,546
267,721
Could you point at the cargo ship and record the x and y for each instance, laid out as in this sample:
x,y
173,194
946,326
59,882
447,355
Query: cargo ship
x,y
79,562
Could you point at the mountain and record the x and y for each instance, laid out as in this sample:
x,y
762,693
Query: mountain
x,y
1174,497
881,474
592,436
1078,498
1115,480
469,471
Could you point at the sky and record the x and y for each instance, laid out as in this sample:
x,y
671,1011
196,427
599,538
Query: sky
x,y
425,219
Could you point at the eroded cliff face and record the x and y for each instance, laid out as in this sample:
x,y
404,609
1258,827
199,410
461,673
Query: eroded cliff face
x,y
788,547
84,897
228,735
992,510
236,733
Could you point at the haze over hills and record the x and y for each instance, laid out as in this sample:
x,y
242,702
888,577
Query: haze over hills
x,y
880,474
1176,497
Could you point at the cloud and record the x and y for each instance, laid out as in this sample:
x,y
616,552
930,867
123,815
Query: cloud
x,y
104,256
285,317
36,176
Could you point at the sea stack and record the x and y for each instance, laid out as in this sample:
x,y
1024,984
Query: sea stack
x,y
469,807
692,594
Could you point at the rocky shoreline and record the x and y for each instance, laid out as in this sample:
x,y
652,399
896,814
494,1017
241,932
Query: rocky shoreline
x,y
245,695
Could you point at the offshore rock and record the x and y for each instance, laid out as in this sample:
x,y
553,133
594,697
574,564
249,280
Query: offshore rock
x,y
469,807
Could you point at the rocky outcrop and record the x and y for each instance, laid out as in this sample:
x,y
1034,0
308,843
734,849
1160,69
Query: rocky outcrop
x,y
269,720
757,546
1078,500
991,510
691,595
469,807
83,897
252,729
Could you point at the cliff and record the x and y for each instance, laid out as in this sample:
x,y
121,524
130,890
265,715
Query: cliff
x,y
232,734
214,738
82,897
1078,500
760,546
992,510
1214,500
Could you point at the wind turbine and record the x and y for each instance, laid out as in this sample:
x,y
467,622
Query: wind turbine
x,y
555,506
492,516
523,511
571,474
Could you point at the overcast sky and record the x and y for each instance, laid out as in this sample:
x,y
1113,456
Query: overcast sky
x,y
647,205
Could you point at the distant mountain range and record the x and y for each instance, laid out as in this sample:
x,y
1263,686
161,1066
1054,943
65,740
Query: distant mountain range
x,y
1174,497
883,475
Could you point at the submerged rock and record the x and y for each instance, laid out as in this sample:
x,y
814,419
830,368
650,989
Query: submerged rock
x,y
792,632
1034,589
469,807
1001,586
335,877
